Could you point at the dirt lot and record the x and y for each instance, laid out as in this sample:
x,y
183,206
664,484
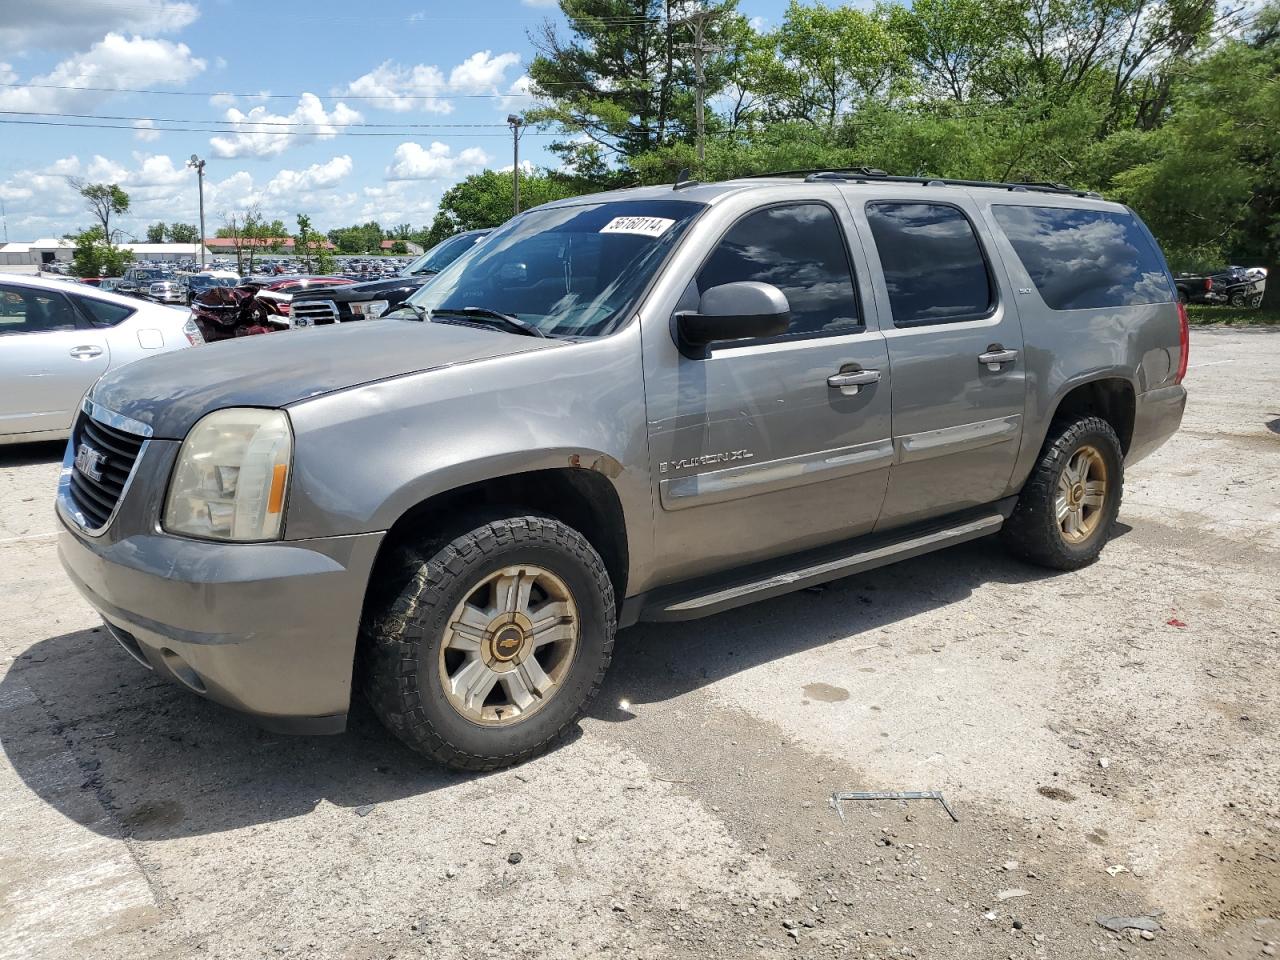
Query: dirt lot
x,y
1107,738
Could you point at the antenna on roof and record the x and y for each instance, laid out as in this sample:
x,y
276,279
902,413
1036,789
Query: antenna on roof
x,y
684,179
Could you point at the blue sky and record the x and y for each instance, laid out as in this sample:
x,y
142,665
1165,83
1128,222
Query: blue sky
x,y
416,67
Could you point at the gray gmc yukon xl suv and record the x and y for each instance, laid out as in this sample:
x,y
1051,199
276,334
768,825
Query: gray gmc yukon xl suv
x,y
653,404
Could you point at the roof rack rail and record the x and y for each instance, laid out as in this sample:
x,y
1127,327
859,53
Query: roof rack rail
x,y
871,173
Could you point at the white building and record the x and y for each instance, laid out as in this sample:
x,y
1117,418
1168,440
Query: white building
x,y
40,253
165,252
37,253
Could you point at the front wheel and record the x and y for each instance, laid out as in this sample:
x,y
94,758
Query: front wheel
x,y
487,648
1064,514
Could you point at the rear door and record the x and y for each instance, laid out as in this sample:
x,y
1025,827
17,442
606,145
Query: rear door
x,y
47,359
756,450
956,350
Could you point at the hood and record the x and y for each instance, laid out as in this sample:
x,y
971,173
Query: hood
x,y
368,290
170,392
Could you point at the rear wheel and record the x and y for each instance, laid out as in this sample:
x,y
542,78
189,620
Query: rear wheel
x,y
1064,514
490,645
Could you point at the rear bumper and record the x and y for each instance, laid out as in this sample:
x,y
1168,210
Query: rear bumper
x,y
266,629
1157,418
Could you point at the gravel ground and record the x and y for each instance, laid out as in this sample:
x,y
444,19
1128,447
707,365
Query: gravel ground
x,y
1107,739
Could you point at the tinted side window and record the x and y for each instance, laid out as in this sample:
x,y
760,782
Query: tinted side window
x,y
799,249
25,310
933,265
1085,258
102,313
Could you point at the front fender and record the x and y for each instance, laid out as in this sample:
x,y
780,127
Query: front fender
x,y
364,457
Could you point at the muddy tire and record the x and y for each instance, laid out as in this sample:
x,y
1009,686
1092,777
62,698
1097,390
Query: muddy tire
x,y
484,650
1065,512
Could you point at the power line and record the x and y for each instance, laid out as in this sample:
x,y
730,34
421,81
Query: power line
x,y
231,131
298,96
237,124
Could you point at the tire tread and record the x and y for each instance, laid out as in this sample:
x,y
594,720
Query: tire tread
x,y
391,637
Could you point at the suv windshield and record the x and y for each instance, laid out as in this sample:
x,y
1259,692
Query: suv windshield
x,y
442,254
569,271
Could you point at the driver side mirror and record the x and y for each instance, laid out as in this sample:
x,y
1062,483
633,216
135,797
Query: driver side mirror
x,y
743,310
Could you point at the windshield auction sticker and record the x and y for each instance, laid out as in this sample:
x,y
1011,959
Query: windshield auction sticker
x,y
644,226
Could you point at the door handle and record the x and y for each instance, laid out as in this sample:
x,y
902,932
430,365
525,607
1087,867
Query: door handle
x,y
849,382
997,355
86,352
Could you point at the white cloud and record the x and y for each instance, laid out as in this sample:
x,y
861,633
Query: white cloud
x,y
482,72
539,3
145,130
412,161
390,86
424,86
318,176
402,201
221,100
517,97
115,62
260,133
70,24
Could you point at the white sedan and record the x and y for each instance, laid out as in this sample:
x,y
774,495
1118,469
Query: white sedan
x,y
58,338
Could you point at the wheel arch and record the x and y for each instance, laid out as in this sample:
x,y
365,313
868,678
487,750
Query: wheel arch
x,y
1109,394
1112,398
581,497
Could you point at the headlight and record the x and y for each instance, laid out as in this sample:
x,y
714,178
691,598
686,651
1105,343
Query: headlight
x,y
231,477
369,308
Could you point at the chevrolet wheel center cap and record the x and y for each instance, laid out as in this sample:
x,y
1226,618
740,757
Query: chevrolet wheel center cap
x,y
507,643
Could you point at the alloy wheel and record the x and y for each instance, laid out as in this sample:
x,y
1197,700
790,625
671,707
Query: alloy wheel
x,y
509,645
1082,494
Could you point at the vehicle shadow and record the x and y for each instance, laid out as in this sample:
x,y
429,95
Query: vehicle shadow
x,y
86,728
27,454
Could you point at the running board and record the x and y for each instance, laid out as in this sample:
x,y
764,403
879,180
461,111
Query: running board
x,y
776,582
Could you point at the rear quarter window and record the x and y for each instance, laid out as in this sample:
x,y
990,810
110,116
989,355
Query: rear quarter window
x,y
1081,259
102,313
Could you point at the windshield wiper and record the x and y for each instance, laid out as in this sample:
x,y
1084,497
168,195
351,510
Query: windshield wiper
x,y
425,272
514,323
419,310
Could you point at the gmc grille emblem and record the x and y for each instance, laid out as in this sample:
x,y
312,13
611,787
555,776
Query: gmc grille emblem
x,y
90,462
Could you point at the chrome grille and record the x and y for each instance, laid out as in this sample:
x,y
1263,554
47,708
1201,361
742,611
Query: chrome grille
x,y
314,313
116,452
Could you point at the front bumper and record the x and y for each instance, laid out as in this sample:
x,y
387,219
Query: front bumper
x,y
268,629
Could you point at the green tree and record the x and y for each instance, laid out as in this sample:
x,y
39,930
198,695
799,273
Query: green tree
x,y
622,83
95,257
828,62
183,233
1210,189
252,235
311,248
485,200
156,232
105,200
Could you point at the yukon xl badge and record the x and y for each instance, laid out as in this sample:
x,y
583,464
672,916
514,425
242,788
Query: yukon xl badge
x,y
89,461
709,459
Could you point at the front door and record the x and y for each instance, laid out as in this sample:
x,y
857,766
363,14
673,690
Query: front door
x,y
956,349
767,447
46,361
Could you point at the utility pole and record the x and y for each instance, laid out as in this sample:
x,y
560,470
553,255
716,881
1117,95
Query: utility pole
x,y
699,22
515,123
198,164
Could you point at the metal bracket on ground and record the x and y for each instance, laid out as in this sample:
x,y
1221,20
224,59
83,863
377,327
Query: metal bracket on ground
x,y
838,798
